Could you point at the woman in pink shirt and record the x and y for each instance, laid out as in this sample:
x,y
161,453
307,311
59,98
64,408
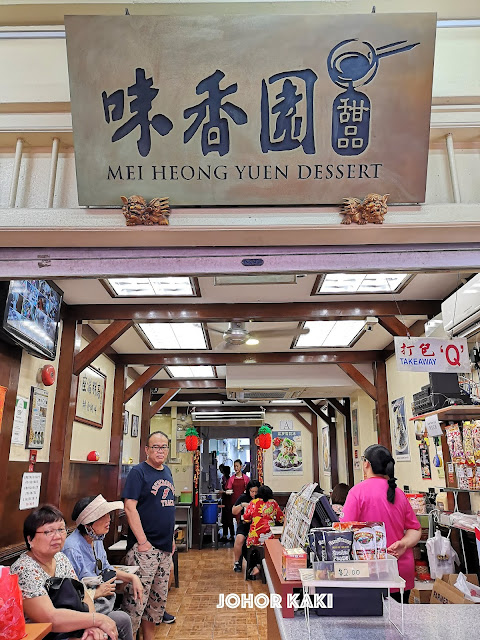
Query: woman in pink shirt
x,y
378,499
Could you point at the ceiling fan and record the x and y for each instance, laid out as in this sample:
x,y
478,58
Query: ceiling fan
x,y
237,334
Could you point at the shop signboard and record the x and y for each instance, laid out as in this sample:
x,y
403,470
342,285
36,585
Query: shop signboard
x,y
432,354
251,110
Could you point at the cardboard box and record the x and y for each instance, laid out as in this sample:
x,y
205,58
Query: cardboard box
x,y
420,596
444,592
292,561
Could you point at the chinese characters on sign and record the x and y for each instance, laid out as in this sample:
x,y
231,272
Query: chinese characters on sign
x,y
90,397
224,126
432,354
287,452
30,491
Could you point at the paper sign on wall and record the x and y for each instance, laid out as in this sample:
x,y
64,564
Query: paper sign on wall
x,y
433,426
20,419
30,491
432,354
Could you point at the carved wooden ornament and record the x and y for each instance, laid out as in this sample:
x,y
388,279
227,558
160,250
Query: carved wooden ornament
x,y
137,211
372,209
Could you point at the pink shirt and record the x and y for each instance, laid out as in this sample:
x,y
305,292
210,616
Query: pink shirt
x,y
367,502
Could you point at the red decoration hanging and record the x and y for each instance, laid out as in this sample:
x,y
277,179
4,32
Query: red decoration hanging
x,y
192,439
265,437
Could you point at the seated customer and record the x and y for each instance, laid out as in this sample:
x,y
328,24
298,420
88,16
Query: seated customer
x,y
262,514
44,532
242,528
84,548
338,497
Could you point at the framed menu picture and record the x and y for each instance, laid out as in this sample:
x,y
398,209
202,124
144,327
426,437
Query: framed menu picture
x,y
126,418
91,397
135,422
37,418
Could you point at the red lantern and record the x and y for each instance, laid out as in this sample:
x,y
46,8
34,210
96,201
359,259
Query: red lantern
x,y
265,437
192,439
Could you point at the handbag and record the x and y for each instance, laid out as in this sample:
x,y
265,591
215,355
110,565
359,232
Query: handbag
x,y
12,622
66,593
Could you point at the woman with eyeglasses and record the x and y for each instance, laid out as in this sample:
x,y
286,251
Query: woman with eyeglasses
x,y
377,498
44,531
84,548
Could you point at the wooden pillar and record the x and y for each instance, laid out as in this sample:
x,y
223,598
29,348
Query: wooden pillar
x,y
316,466
348,439
63,415
145,422
10,361
116,436
332,432
381,404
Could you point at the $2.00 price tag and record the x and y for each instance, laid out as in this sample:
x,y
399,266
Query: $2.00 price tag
x,y
351,570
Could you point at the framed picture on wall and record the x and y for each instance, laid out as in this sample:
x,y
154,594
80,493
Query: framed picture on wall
x,y
37,418
91,397
355,427
126,419
135,423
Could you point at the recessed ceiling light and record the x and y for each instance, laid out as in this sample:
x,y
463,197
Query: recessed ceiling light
x,y
199,371
362,282
286,401
267,278
330,333
199,402
174,335
180,286
252,341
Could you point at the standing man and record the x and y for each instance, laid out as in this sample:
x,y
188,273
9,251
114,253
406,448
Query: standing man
x,y
149,497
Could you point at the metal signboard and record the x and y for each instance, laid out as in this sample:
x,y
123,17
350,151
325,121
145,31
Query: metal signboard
x,y
251,110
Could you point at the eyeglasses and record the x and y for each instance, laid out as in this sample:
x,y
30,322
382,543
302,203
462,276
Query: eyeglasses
x,y
159,447
49,534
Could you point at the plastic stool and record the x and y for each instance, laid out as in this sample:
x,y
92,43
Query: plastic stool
x,y
214,530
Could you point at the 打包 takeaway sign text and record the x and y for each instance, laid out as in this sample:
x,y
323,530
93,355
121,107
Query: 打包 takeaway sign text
x,y
251,110
432,354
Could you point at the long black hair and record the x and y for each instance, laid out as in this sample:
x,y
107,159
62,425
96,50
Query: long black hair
x,y
382,465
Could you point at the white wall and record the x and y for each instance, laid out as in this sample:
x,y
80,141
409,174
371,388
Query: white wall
x,y
367,433
131,446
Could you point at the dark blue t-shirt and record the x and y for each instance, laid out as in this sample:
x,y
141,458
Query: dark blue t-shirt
x,y
155,495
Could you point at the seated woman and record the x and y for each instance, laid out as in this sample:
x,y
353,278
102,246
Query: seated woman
x,y
262,514
84,548
242,528
338,497
44,532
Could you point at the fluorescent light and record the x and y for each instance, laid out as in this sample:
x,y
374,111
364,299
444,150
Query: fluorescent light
x,y
201,371
362,282
330,333
252,341
174,335
199,402
152,287
267,278
286,401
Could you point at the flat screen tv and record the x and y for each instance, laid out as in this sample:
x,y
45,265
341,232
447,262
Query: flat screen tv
x,y
32,316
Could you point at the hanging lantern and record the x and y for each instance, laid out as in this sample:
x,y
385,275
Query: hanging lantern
x,y
265,437
192,439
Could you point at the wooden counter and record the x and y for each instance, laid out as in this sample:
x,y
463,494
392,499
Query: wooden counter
x,y
37,630
273,558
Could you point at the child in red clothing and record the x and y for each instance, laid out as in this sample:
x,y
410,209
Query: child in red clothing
x,y
262,513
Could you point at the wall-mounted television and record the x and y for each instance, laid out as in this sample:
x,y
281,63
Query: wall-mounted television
x,y
32,315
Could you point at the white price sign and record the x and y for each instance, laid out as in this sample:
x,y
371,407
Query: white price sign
x,y
351,570
432,425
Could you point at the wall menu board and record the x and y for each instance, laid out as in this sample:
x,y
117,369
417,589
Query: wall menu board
x,y
37,418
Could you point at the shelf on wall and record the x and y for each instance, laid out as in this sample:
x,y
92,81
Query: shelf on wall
x,y
455,412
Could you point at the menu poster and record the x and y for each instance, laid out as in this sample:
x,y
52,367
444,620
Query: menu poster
x,y
425,461
287,452
30,491
400,431
20,420
37,419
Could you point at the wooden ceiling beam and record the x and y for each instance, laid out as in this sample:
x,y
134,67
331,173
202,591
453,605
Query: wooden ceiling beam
x,y
216,358
272,312
100,344
159,404
90,334
393,325
358,377
317,411
140,382
191,383
416,330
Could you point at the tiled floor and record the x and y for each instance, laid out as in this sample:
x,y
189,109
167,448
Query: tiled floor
x,y
203,575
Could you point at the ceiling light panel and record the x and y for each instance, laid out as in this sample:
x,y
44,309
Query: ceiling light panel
x,y
330,333
342,283
274,278
174,335
200,371
180,286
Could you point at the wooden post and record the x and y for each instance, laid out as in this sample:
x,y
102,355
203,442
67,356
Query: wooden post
x,y
116,436
63,415
348,434
381,404
332,432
